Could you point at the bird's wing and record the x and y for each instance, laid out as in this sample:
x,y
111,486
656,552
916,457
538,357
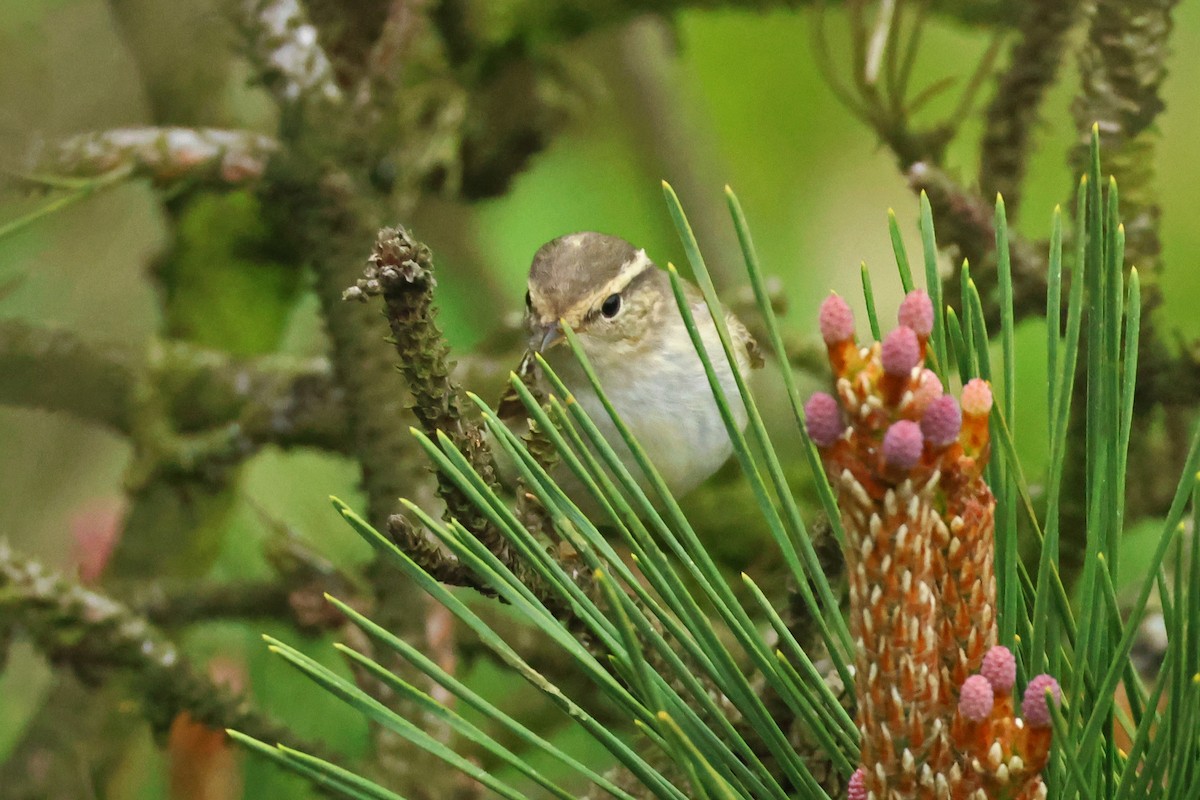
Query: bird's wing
x,y
741,336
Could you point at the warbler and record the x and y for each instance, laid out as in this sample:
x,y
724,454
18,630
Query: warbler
x,y
621,307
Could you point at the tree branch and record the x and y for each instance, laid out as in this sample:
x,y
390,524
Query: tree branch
x,y
166,155
199,602
966,225
96,637
46,368
292,63
1123,64
483,30
295,594
1012,116
276,400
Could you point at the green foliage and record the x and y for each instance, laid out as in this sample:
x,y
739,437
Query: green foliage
x,y
223,265
668,636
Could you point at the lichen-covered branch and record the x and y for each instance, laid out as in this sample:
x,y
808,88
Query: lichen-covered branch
x,y
1012,116
166,155
248,402
96,637
45,368
1122,66
279,400
292,63
325,217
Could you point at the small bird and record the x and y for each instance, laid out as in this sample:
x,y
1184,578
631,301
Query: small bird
x,y
623,310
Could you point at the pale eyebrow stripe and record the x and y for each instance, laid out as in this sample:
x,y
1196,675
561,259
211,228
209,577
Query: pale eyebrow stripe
x,y
629,270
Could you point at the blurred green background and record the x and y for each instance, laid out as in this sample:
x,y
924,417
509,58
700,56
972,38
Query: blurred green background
x,y
721,97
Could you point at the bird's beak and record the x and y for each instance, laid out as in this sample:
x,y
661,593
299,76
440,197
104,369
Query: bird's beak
x,y
548,337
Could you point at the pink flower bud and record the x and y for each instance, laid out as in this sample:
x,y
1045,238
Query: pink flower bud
x,y
977,398
823,419
902,444
929,388
976,698
857,787
1034,707
916,312
1000,668
941,422
836,320
901,352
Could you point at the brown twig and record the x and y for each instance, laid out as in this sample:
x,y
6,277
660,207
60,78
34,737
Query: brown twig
x,y
296,593
267,599
325,216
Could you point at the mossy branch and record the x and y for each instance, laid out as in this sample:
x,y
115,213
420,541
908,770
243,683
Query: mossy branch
x,y
275,400
966,225
1012,116
1123,64
98,637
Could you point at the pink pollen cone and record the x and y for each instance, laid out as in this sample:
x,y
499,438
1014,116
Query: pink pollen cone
x,y
916,312
836,320
856,789
977,398
902,444
901,352
941,422
929,388
1000,668
1034,707
976,698
823,419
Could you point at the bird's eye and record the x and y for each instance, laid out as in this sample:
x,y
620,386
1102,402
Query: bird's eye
x,y
528,300
610,306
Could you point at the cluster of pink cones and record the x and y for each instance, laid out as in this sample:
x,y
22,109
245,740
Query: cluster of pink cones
x,y
907,461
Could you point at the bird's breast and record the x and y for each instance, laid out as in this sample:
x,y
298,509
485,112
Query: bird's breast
x,y
666,401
